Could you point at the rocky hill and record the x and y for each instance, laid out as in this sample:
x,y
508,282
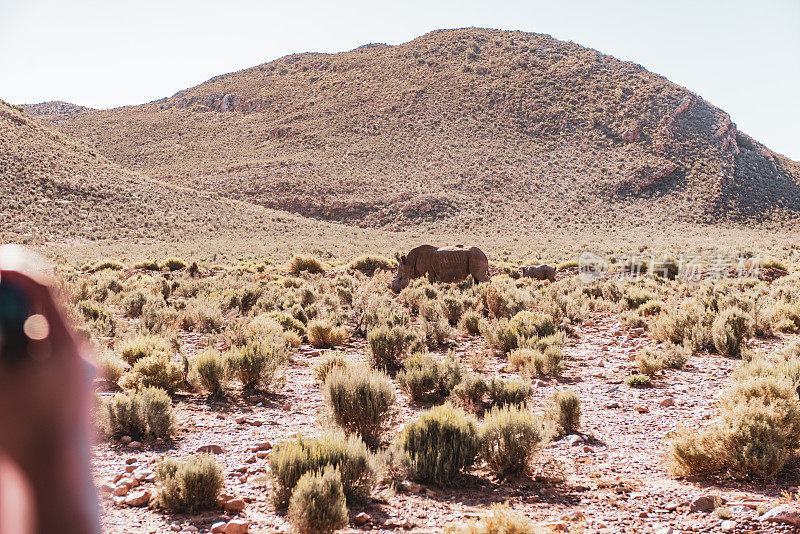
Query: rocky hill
x,y
458,129
56,190
54,111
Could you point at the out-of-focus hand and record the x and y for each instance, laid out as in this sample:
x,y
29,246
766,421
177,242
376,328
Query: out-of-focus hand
x,y
45,398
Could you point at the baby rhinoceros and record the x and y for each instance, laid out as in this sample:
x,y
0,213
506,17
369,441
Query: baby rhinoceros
x,y
540,272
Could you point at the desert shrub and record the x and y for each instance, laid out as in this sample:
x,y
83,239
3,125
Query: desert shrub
x,y
501,520
134,349
369,264
506,335
632,319
469,392
635,297
207,371
638,381
290,460
648,363
510,436
470,321
189,486
437,331
98,316
109,368
453,309
146,265
172,264
143,414
288,322
651,308
508,392
325,334
257,363
772,263
423,375
327,363
243,297
305,264
675,356
439,446
388,345
153,372
202,314
157,317
318,505
568,411
359,400
502,304
109,264
786,317
729,330
133,304
292,339
499,335
534,362
667,268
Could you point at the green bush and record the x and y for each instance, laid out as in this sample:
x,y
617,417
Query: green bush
x,y
307,264
369,264
635,297
568,411
325,335
388,346
440,446
508,392
424,375
290,460
470,321
327,363
533,362
318,505
139,347
153,372
143,414
453,309
98,316
638,381
257,363
505,336
146,265
110,368
133,304
360,401
202,314
501,520
469,392
648,363
288,322
189,486
207,371
172,264
510,437
729,330
109,264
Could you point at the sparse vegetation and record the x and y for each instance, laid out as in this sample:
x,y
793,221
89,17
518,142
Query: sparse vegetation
x,y
318,504
143,414
189,486
360,400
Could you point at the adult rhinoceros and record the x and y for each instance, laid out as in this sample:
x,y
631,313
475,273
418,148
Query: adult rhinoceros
x,y
540,272
445,264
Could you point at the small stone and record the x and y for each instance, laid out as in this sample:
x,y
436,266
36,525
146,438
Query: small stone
x,y
411,487
125,440
131,460
234,506
727,526
151,477
135,445
237,526
612,404
558,527
361,518
782,514
120,490
138,498
666,402
218,528
262,454
642,409
130,468
587,448
106,488
191,528
574,440
264,446
672,506
175,527
142,474
241,420
643,514
705,503
665,530
210,448
243,479
251,459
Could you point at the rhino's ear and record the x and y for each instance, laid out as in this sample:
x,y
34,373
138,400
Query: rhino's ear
x,y
403,259
397,256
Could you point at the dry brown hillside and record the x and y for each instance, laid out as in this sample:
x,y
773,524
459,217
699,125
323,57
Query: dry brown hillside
x,y
56,190
459,129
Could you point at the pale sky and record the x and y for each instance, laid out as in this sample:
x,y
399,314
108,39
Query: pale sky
x,y
742,56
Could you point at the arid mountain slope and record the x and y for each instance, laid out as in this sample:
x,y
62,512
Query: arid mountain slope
x,y
56,190
458,129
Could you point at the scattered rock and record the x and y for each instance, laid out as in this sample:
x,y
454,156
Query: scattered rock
x,y
218,528
782,514
665,530
666,401
262,454
138,498
411,487
673,505
237,526
251,459
120,490
263,446
241,420
191,528
705,503
234,506
135,445
574,440
361,518
125,440
131,460
728,526
175,527
611,404
210,448
642,409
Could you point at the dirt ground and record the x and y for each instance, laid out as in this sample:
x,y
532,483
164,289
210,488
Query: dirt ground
x,y
617,477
